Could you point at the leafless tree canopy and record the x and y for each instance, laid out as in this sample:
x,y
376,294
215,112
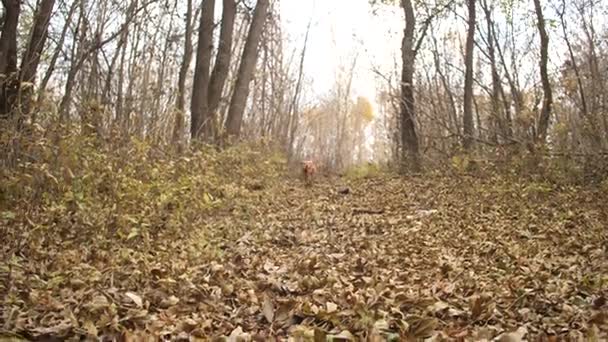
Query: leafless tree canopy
x,y
470,78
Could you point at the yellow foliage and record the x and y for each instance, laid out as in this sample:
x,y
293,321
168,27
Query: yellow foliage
x,y
364,108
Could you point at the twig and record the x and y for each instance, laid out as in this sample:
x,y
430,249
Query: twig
x,y
367,211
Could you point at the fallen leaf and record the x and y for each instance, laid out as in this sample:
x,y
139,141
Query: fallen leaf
x,y
136,299
268,309
331,307
169,302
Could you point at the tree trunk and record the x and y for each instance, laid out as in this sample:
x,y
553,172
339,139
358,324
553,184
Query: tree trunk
x,y
31,58
579,82
58,50
8,56
410,151
222,64
467,114
293,111
246,69
76,62
498,118
545,114
199,104
178,128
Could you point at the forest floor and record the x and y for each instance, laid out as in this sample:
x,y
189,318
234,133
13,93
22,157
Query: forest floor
x,y
383,258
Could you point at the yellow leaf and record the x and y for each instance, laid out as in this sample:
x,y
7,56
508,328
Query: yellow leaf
x,y
207,198
90,328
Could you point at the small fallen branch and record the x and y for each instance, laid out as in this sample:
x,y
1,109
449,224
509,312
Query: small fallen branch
x,y
357,211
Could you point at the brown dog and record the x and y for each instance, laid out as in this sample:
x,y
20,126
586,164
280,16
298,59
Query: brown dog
x,y
309,169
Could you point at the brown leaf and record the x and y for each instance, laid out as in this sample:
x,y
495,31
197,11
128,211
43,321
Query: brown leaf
x,y
320,335
136,299
515,336
422,327
268,309
599,302
169,302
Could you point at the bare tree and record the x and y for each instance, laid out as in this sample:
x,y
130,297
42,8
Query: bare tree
x,y
31,58
222,62
292,123
500,122
467,114
409,136
545,114
58,50
183,73
8,56
199,106
246,69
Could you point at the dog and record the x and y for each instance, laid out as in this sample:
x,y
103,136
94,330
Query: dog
x,y
308,169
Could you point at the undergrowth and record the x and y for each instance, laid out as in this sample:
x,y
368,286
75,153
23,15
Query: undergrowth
x,y
80,189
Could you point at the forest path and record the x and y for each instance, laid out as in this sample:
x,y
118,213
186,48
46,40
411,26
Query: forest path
x,y
418,257
466,256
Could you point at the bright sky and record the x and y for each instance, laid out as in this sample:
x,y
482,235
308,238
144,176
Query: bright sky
x,y
341,30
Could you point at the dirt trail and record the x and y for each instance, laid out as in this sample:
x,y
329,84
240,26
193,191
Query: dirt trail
x,y
392,257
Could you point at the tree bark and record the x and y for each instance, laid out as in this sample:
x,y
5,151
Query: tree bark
x,y
467,114
53,62
575,67
8,56
498,117
199,104
178,128
222,64
31,58
246,69
545,114
410,151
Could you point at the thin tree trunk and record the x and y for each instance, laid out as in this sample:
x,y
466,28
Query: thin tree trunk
x,y
545,114
199,104
53,62
160,84
178,128
293,111
515,91
467,114
409,139
246,69
8,56
579,81
222,65
31,58
453,113
497,115
75,64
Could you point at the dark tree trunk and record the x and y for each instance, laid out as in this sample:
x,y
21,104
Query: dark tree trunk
x,y
545,113
222,63
8,56
31,58
467,114
200,87
410,149
246,69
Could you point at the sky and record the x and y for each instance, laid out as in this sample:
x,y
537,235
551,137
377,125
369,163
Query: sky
x,y
344,28
341,30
